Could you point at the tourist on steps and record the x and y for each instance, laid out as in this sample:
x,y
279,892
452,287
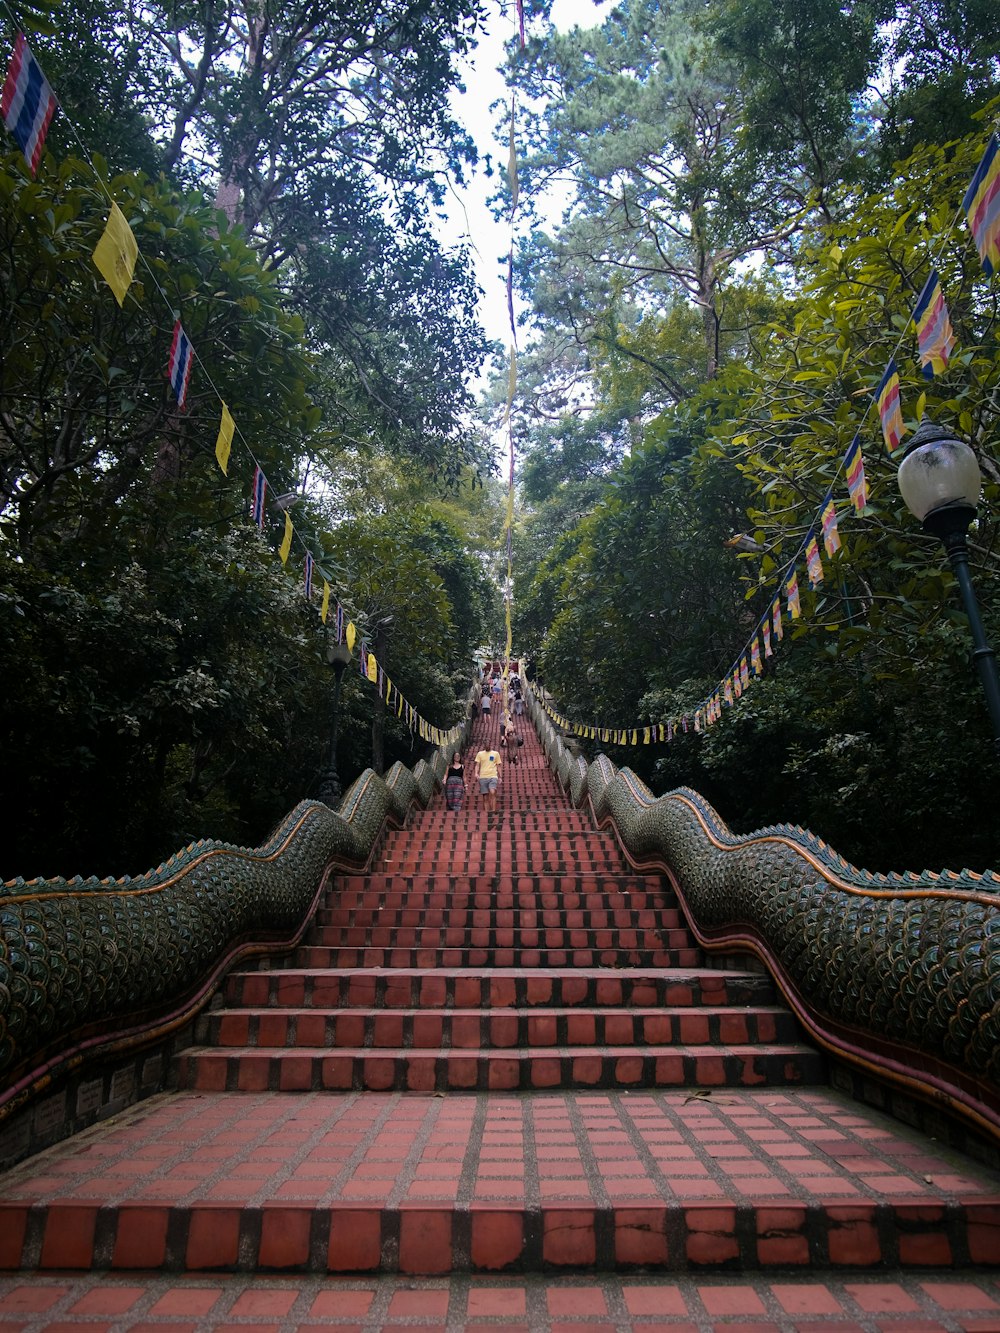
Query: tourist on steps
x,y
488,764
454,783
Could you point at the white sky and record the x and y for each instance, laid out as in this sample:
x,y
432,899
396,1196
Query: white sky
x,y
468,215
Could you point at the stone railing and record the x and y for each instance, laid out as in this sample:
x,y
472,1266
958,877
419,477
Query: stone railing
x,y
898,976
92,970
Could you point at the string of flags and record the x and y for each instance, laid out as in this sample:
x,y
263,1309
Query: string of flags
x,y
936,342
27,105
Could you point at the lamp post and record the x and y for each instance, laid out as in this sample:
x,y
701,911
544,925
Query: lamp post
x,y
940,482
338,655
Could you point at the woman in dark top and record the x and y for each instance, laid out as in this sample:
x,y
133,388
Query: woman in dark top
x,y
454,784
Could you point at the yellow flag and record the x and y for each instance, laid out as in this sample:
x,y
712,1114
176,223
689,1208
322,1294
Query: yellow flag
x,y
646,736
224,444
116,253
350,635
372,667
286,542
324,610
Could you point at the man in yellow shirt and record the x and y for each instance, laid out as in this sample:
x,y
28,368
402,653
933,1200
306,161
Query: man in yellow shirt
x,y
488,764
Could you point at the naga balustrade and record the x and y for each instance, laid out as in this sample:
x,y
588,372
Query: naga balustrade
x,y
898,976
94,968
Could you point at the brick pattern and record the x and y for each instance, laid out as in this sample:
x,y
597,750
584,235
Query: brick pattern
x,y
601,1303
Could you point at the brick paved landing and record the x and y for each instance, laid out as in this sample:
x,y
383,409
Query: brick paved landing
x,y
597,1303
369,1181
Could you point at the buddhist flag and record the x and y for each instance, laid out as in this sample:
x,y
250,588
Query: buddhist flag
x,y
831,537
259,496
814,563
27,103
307,576
982,207
887,397
934,333
224,441
854,466
285,549
727,691
766,631
115,254
792,593
744,671
779,628
179,365
755,656
324,609
737,682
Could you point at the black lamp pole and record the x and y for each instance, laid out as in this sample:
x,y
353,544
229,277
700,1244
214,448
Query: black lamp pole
x,y
939,480
330,789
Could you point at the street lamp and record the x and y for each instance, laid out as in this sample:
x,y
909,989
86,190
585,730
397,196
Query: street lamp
x,y
337,655
940,482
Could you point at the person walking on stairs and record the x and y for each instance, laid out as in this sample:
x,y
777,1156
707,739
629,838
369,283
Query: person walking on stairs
x,y
488,764
454,783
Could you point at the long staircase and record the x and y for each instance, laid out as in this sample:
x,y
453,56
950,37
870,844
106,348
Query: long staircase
x,y
500,1053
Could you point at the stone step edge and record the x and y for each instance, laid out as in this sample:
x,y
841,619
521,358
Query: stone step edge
x,y
696,1235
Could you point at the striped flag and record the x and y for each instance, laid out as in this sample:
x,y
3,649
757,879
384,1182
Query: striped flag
x,y
744,671
982,207
755,656
308,576
814,563
340,623
179,366
766,631
727,691
935,338
779,629
854,466
792,593
259,496
831,537
887,397
27,103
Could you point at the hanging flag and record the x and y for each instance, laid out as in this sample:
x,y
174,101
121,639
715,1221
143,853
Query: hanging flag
x,y
259,496
854,466
179,366
224,442
27,103
814,563
890,414
755,657
350,634
765,630
779,628
792,593
512,157
737,682
831,537
744,671
285,549
115,254
308,576
324,609
934,333
982,207
727,691
339,622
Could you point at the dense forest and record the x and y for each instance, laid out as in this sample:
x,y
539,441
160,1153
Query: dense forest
x,y
751,195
